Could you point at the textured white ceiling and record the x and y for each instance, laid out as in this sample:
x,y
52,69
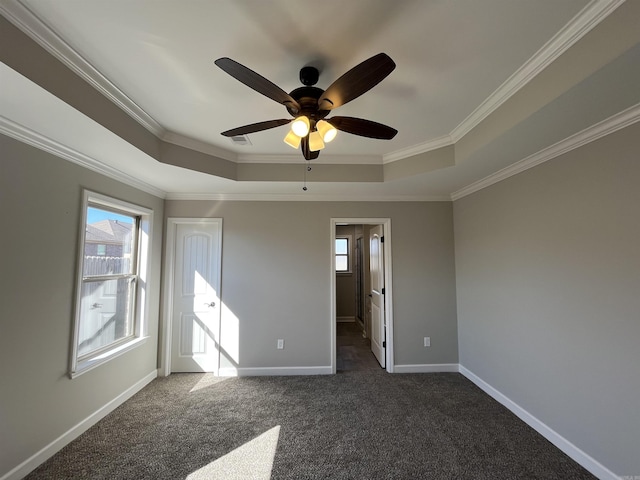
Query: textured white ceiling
x,y
450,56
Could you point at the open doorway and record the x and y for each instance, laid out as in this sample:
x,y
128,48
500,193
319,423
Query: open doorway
x,y
353,302
361,323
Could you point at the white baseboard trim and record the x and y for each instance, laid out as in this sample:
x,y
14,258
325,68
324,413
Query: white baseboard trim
x,y
426,368
588,462
345,319
40,457
272,371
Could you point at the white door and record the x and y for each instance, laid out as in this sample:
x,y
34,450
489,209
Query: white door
x,y
195,322
376,270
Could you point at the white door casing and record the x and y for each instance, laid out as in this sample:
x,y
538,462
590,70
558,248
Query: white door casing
x,y
385,223
193,287
376,272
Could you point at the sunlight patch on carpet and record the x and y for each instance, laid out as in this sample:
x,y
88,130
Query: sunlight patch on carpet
x,y
253,460
207,380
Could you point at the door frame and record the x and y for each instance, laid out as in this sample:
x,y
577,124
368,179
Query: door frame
x,y
388,284
168,282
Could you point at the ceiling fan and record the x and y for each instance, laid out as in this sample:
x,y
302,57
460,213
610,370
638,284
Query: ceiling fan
x,y
309,105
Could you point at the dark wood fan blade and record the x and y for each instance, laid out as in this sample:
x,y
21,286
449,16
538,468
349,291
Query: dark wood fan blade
x,y
355,82
362,127
257,82
256,127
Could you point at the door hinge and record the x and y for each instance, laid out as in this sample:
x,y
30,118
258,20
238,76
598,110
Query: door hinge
x,y
384,344
382,239
383,291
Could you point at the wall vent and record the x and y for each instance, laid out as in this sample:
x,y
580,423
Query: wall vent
x,y
241,140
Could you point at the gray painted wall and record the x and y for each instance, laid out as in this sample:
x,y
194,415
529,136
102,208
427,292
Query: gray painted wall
x,y
276,275
548,285
40,203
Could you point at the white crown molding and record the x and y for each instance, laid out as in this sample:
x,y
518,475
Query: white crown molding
x,y
198,146
23,18
424,147
590,16
612,124
322,159
303,197
28,136
207,148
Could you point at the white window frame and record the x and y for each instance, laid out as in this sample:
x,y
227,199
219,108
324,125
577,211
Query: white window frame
x,y
349,254
80,365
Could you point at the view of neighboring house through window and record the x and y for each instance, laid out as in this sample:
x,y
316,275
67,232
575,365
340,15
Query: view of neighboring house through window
x,y
108,279
113,256
342,255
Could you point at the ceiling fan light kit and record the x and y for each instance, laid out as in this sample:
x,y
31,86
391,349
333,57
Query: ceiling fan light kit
x,y
315,141
323,133
327,130
300,126
292,139
310,105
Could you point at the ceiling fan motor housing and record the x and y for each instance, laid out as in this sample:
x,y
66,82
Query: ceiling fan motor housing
x,y
307,98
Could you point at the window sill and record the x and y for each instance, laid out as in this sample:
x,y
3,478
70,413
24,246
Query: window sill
x,y
89,364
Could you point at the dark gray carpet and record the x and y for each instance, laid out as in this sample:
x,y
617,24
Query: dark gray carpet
x,y
354,425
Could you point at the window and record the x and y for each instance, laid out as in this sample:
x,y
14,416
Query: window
x,y
343,258
111,282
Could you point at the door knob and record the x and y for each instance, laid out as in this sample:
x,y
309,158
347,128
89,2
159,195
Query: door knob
x,y
212,304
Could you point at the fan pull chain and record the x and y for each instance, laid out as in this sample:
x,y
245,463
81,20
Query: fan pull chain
x,y
306,169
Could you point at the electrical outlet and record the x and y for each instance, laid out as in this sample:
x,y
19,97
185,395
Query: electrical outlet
x,y
427,341
280,344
